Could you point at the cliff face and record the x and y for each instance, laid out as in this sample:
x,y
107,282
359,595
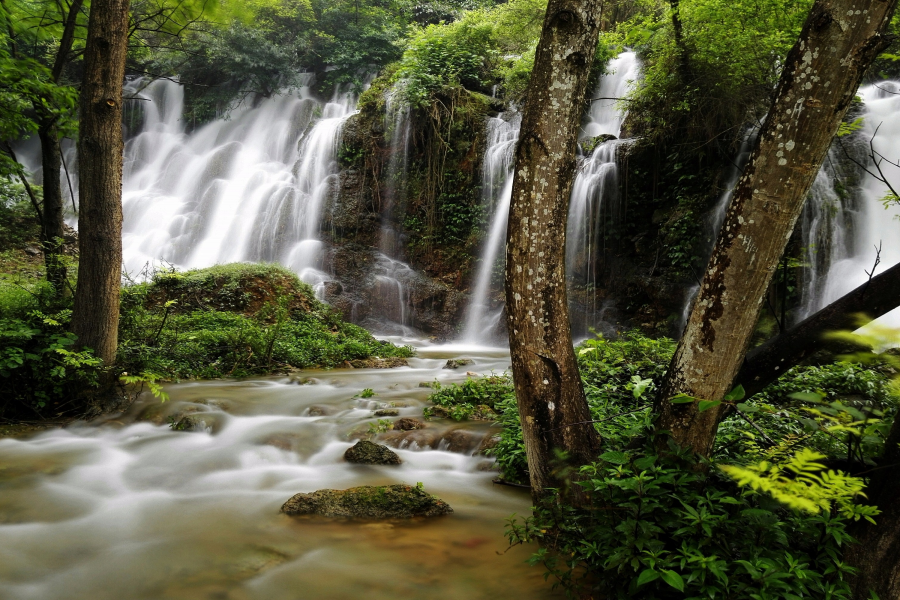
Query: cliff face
x,y
405,221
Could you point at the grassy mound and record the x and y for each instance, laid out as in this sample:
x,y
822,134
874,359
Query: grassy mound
x,y
235,320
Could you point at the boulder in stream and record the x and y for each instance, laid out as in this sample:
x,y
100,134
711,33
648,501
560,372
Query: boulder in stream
x,y
368,501
370,453
455,363
408,424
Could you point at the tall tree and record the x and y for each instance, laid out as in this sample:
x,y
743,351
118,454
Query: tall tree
x,y
95,316
551,401
822,72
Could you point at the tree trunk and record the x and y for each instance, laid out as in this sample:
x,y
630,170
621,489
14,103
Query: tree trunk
x,y
53,221
839,40
53,226
877,555
770,361
550,397
95,316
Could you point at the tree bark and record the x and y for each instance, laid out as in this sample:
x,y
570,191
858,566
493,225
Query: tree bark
x,y
53,226
768,362
53,216
551,400
877,553
839,40
95,316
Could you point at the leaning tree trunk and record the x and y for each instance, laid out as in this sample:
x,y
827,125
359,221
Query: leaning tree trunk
x,y
839,41
550,397
95,316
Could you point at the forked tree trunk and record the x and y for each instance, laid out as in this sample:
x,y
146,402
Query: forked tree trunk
x,y
839,40
95,316
550,397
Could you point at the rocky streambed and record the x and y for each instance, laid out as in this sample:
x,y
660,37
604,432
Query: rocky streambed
x,y
132,508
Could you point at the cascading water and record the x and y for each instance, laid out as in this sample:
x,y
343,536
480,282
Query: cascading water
x,y
842,231
398,127
248,188
497,168
596,199
595,194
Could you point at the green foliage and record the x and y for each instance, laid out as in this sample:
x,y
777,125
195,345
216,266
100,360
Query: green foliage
x,y
367,393
18,223
658,527
807,486
234,320
463,400
41,374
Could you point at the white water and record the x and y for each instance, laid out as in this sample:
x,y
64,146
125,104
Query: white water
x,y
130,509
497,169
595,190
398,127
596,199
848,233
247,188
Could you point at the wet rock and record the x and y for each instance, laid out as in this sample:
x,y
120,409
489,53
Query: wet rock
x,y
197,422
387,412
303,380
455,363
414,438
426,384
483,412
318,410
489,442
31,251
370,453
408,424
461,441
439,412
471,374
368,501
379,363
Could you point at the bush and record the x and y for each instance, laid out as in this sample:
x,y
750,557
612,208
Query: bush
x,y
658,527
235,320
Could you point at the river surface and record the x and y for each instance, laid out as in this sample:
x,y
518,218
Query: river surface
x,y
127,508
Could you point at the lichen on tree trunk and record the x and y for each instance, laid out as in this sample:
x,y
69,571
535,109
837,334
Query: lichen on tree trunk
x,y
95,316
839,40
549,393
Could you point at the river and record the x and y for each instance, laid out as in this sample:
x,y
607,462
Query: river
x,y
127,508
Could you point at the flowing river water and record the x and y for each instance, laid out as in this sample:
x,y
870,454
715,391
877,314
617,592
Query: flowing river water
x,y
127,508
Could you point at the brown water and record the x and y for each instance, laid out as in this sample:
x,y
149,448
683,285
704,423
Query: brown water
x,y
130,509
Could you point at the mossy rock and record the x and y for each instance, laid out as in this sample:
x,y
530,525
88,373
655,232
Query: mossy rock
x,y
368,502
455,363
370,453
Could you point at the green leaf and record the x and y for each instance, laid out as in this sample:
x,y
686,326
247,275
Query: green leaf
x,y
807,396
736,394
681,399
707,404
747,408
648,575
673,579
616,458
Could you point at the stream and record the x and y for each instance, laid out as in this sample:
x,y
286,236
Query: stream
x,y
127,508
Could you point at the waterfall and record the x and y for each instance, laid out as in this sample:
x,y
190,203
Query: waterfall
x,y
842,229
250,187
497,169
596,204
595,195
397,127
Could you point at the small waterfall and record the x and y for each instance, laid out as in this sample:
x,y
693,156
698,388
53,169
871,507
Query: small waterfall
x,y
247,188
841,231
397,127
497,169
596,204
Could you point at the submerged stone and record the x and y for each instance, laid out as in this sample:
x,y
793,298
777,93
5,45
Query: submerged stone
x,y
408,424
370,453
368,501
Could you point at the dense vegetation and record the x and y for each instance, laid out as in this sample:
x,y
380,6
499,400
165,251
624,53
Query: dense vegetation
x,y
660,525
